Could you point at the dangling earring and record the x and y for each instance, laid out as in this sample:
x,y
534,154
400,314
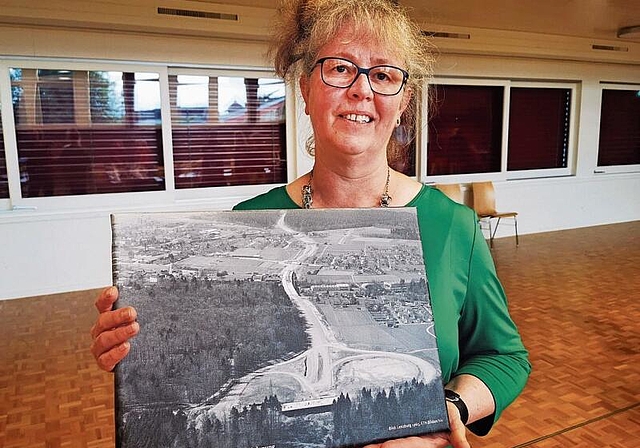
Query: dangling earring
x,y
310,145
398,122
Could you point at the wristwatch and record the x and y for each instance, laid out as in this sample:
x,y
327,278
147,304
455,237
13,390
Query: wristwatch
x,y
454,398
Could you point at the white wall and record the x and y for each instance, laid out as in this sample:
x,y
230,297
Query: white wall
x,y
53,254
46,252
554,204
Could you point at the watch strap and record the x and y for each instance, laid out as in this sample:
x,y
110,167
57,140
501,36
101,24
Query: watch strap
x,y
454,398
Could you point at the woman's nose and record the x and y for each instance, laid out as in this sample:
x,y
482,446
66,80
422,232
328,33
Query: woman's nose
x,y
361,87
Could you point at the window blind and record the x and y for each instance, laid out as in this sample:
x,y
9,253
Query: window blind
x,y
538,128
465,129
619,128
227,130
4,181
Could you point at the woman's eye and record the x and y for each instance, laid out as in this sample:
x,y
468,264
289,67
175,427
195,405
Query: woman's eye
x,y
382,76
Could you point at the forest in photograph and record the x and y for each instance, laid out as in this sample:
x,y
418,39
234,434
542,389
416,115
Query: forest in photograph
x,y
350,421
237,328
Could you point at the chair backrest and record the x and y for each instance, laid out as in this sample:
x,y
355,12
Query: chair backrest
x,y
484,198
453,191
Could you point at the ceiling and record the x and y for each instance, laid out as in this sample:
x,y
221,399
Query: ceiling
x,y
596,19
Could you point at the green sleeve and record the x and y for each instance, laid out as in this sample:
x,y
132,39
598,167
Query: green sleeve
x,y
490,346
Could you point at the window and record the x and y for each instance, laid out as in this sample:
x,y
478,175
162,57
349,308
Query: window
x,y
87,129
538,128
465,132
510,129
619,126
227,130
85,132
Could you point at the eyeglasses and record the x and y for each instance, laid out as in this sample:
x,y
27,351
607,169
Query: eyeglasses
x,y
342,73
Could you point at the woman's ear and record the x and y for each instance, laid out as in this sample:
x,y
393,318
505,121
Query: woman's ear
x,y
404,102
304,90
406,99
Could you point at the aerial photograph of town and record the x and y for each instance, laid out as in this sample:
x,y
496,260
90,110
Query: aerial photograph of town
x,y
280,328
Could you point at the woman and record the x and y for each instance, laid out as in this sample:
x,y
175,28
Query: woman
x,y
358,62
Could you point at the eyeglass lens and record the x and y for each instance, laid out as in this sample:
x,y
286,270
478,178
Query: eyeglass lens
x,y
383,79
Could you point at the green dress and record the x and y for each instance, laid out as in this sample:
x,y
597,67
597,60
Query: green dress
x,y
476,335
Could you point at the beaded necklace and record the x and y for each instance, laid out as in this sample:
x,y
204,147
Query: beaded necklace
x,y
307,192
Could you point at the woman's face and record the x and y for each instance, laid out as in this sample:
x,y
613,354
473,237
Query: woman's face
x,y
353,120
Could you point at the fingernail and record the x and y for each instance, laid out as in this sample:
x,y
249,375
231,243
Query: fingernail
x,y
129,313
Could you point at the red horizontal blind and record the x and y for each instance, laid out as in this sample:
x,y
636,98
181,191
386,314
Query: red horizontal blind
x,y
538,128
619,128
81,132
231,154
465,129
4,181
105,159
227,131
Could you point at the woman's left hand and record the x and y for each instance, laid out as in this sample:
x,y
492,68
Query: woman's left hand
x,y
457,438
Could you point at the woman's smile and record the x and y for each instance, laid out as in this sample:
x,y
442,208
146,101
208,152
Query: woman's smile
x,y
358,118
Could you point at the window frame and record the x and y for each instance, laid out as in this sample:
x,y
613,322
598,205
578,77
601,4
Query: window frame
x,y
504,174
9,135
611,169
221,197
88,201
4,201
572,145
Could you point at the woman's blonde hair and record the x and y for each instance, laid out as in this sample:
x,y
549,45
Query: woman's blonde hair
x,y
303,27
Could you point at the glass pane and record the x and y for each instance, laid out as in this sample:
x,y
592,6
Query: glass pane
x,y
193,93
4,181
227,130
146,98
55,89
538,128
106,97
465,130
87,132
619,128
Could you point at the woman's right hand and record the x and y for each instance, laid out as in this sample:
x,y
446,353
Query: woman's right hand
x,y
112,330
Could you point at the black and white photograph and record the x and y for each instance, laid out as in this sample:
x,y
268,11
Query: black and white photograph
x,y
275,329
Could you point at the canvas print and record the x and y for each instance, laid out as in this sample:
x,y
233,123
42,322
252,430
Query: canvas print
x,y
275,329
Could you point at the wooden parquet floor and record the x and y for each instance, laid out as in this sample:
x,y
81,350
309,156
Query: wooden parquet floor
x,y
574,294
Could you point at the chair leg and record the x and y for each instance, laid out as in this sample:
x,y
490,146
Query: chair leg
x,y
490,235
515,222
495,231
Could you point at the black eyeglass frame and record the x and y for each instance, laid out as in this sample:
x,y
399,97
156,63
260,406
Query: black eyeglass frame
x,y
365,71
